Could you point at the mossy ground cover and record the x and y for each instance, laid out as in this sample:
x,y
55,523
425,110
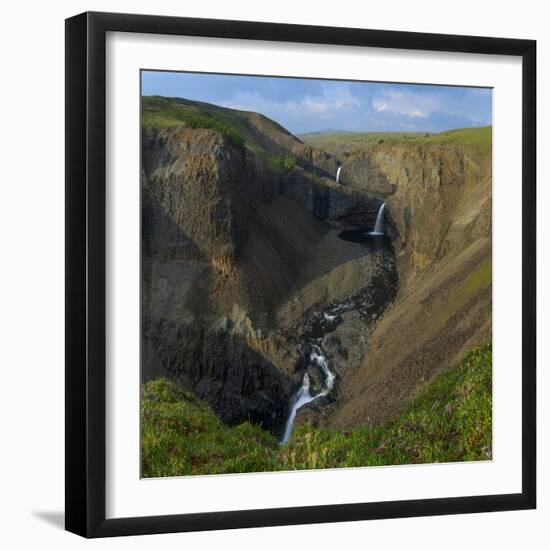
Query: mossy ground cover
x,y
282,165
449,421
480,278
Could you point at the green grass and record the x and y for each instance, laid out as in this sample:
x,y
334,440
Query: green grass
x,y
282,165
212,123
449,421
181,436
478,139
160,112
164,112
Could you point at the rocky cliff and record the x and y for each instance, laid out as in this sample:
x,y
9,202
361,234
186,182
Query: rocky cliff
x,y
245,263
440,201
240,248
438,192
437,187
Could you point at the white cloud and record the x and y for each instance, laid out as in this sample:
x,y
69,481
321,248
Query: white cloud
x,y
416,105
386,108
332,100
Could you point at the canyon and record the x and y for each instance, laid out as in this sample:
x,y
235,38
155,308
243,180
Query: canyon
x,y
258,270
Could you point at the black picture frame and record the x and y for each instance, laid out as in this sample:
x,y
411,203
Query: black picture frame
x,y
86,274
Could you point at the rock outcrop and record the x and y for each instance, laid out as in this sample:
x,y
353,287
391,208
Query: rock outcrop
x,y
192,181
441,202
439,197
223,368
233,237
243,262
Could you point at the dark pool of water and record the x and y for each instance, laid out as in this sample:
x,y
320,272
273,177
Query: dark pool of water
x,y
363,236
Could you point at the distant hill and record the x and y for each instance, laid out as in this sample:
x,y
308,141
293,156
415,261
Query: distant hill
x,y
324,132
337,143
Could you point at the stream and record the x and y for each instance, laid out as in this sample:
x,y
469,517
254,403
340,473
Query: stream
x,y
368,303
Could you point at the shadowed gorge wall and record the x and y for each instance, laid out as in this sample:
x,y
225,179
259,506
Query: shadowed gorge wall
x,y
440,198
244,265
240,246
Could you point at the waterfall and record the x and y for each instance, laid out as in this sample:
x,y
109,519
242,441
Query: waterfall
x,y
317,357
338,174
379,225
302,396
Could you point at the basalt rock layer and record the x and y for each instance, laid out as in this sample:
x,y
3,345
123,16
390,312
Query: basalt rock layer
x,y
244,263
439,196
239,228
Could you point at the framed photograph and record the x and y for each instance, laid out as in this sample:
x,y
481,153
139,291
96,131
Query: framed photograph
x,y
300,279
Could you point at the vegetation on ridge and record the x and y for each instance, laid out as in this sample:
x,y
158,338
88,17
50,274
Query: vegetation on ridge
x,y
282,165
449,421
160,112
165,112
477,139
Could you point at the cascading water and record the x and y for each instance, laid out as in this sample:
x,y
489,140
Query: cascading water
x,y
379,225
300,398
338,174
303,396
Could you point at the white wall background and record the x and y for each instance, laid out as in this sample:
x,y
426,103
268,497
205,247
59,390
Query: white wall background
x,y
32,271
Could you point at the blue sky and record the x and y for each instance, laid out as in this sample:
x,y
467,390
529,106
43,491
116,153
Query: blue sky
x,y
305,105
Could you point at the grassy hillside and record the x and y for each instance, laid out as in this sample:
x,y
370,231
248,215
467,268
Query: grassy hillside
x,y
449,421
181,435
165,112
479,139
